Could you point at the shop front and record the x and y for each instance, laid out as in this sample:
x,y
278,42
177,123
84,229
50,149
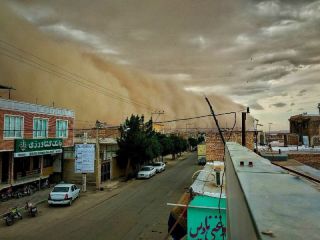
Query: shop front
x,y
35,159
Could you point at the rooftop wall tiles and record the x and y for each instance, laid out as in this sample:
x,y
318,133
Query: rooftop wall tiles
x,y
34,108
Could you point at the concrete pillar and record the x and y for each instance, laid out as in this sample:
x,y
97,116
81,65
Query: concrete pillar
x,y
31,164
41,165
0,168
11,168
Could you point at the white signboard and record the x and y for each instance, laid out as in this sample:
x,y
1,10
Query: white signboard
x,y
84,158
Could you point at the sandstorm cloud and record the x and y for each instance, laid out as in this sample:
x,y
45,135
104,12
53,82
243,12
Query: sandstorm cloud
x,y
257,53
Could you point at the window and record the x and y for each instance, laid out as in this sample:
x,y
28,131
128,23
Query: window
x,y
40,128
62,128
13,126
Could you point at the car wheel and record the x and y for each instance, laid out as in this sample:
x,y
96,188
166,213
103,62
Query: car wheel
x,y
78,195
70,202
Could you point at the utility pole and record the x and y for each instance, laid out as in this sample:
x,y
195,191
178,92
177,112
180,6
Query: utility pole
x,y
98,167
158,113
256,132
84,175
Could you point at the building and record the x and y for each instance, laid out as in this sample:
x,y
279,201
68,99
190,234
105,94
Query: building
x,y
307,126
215,147
107,147
32,141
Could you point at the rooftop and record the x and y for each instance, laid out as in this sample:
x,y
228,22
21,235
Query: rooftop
x,y
278,202
34,108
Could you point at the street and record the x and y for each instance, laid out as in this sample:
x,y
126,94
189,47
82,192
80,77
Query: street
x,y
137,210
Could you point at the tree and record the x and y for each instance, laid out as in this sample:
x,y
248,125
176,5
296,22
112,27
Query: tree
x,y
131,143
138,143
192,142
166,144
201,139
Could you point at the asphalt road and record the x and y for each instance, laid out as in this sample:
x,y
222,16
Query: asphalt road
x,y
137,210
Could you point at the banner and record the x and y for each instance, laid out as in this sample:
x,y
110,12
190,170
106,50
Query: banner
x,y
84,158
35,147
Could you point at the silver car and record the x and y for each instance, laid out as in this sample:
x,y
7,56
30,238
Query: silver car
x,y
146,172
159,166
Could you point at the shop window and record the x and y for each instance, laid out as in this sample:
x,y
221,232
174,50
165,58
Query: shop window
x,y
40,128
47,162
62,128
36,163
13,126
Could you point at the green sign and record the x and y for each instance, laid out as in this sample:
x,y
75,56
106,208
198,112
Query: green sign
x,y
205,221
35,147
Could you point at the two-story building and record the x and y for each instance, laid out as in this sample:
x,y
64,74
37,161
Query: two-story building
x,y
32,140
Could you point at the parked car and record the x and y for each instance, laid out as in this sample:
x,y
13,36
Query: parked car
x,y
159,166
63,194
146,172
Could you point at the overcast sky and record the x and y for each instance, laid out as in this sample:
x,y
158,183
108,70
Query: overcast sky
x,y
264,54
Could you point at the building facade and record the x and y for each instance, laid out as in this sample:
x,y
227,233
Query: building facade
x,y
32,141
305,125
108,168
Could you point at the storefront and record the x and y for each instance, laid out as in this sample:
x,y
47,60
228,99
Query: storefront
x,y
35,159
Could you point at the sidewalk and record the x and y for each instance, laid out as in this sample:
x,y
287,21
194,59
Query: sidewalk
x,y
20,202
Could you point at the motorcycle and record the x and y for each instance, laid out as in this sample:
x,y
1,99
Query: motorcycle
x,y
32,210
12,216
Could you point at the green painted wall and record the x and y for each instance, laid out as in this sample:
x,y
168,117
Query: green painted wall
x,y
205,223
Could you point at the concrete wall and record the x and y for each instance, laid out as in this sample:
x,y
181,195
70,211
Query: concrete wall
x,y
69,174
116,171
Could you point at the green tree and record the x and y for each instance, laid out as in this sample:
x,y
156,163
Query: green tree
x,y
193,142
201,139
137,143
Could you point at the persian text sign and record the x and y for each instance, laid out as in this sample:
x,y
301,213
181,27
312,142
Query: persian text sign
x,y
205,222
84,158
35,147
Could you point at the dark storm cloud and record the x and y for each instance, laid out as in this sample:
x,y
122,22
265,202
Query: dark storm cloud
x,y
302,92
279,105
256,106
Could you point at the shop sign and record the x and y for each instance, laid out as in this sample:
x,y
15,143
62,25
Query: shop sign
x,y
84,158
36,147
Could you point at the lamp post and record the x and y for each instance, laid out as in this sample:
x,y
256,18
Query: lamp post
x,y
269,131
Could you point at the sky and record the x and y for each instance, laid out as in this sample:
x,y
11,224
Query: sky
x,y
261,54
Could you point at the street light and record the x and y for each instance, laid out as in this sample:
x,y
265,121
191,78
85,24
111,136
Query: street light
x,y
269,131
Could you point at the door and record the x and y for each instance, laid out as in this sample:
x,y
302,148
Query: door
x,y
105,171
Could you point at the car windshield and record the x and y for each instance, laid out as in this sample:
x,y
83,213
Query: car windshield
x,y
60,189
145,169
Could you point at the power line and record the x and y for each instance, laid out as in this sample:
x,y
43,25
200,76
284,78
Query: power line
x,y
64,74
197,117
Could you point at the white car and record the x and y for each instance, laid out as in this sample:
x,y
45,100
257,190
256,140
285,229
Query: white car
x,y
146,172
63,194
159,166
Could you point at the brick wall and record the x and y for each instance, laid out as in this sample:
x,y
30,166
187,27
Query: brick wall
x,y
293,139
214,145
28,127
311,159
